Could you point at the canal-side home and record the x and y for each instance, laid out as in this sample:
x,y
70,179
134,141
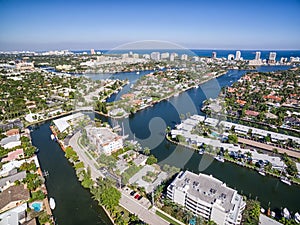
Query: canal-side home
x,y
104,139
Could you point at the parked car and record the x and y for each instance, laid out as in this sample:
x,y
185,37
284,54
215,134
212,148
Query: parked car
x,y
132,193
139,198
136,196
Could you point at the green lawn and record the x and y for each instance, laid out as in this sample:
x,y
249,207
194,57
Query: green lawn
x,y
166,218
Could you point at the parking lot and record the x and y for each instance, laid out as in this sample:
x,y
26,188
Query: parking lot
x,y
140,208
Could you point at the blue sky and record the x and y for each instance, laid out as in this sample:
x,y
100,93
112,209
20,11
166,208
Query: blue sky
x,y
215,24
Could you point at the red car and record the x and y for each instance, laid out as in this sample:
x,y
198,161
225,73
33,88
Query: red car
x,y
136,196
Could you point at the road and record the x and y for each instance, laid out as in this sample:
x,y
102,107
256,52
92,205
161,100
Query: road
x,y
269,147
95,173
133,206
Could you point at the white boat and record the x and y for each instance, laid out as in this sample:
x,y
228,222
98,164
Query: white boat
x,y
52,137
273,214
262,172
138,72
297,217
52,203
285,180
219,158
285,213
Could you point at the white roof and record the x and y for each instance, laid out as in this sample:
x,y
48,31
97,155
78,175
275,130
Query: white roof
x,y
62,123
9,166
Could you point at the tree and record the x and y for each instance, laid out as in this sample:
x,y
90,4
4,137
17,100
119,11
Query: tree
x,y
106,194
232,138
29,151
151,160
146,151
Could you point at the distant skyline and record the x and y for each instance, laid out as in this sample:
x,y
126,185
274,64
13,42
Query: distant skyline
x,y
74,25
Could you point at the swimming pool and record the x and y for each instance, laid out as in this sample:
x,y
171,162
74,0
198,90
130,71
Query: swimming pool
x,y
37,206
214,134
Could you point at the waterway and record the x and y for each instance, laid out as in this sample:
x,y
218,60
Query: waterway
x,y
74,204
146,126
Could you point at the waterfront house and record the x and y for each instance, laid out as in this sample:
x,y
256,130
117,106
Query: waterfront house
x,y
104,139
12,197
15,216
7,182
11,141
17,154
65,122
12,132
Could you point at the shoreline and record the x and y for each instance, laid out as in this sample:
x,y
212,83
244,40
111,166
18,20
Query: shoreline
x,y
63,149
225,158
167,97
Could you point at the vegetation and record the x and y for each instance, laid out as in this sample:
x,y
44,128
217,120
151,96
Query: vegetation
x,y
87,181
33,181
251,213
232,139
107,160
106,194
37,195
291,165
71,154
167,218
129,172
151,160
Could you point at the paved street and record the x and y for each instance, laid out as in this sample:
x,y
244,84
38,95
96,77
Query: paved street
x,y
269,147
95,173
134,206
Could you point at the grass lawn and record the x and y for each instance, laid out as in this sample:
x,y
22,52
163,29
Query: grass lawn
x,y
166,218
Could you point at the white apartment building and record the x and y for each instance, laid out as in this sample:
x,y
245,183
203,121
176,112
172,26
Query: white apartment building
x,y
257,55
230,57
104,139
184,57
155,56
208,197
272,57
165,55
237,55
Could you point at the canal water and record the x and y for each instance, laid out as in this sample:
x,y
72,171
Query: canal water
x,y
74,203
268,190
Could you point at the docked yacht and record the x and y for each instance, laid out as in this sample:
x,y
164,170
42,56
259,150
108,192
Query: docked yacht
x,y
285,180
285,213
219,158
52,203
297,217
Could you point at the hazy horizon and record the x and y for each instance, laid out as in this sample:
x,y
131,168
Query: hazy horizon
x,y
48,25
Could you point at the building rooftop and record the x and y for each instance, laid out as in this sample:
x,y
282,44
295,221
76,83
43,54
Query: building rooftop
x,y
103,134
18,176
140,159
9,139
14,193
62,123
205,188
13,155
